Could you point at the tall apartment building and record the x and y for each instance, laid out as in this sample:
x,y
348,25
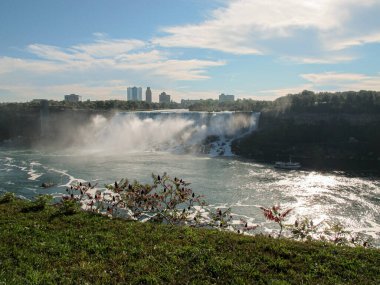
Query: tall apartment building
x,y
164,98
134,93
148,95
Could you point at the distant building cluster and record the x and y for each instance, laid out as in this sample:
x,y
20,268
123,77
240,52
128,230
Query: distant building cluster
x,y
136,94
73,98
226,98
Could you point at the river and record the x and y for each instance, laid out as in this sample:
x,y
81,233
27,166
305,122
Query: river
x,y
226,181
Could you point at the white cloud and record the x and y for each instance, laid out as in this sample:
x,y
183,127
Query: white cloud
x,y
111,56
326,81
156,62
334,81
330,59
10,64
109,48
328,78
56,54
340,44
107,90
279,27
77,67
272,94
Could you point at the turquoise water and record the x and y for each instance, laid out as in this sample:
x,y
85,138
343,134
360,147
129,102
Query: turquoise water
x,y
225,182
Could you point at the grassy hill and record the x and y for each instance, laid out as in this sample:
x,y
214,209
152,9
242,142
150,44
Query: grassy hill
x,y
42,246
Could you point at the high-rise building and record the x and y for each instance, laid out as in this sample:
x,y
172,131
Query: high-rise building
x,y
164,98
226,98
139,93
134,93
148,95
129,94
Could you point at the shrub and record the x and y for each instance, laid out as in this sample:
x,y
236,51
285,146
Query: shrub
x,y
7,197
38,204
276,214
165,200
68,207
303,229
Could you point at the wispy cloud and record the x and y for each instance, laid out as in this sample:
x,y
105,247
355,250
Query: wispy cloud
x,y
109,48
9,65
327,78
329,59
271,94
343,43
103,60
106,90
343,81
280,28
116,55
326,81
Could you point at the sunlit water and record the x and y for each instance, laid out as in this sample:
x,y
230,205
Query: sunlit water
x,y
225,182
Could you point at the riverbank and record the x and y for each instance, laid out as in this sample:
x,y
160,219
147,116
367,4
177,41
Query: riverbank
x,y
42,246
319,141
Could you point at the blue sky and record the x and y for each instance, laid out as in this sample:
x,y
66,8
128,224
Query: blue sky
x,y
259,49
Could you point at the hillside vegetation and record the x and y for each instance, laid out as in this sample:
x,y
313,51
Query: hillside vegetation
x,y
325,130
45,245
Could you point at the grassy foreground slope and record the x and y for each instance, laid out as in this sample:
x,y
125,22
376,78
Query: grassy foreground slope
x,y
41,247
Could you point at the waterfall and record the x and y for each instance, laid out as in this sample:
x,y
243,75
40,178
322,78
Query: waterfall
x,y
172,131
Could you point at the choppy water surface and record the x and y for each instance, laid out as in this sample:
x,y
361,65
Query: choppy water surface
x,y
225,182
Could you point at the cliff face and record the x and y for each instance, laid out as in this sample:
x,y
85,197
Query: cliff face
x,y
17,126
32,127
317,140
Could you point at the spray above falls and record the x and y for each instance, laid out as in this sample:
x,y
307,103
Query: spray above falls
x,y
172,131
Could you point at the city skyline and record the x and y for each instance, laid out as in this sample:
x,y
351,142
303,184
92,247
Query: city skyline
x,y
192,49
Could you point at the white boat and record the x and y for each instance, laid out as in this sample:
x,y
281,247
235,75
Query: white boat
x,y
287,165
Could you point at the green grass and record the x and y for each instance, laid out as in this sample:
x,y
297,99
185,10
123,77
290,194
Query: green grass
x,y
43,247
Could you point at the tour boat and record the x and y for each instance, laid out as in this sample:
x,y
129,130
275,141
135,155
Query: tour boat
x,y
287,165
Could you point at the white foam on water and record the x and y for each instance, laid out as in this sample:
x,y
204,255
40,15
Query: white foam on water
x,y
72,179
33,174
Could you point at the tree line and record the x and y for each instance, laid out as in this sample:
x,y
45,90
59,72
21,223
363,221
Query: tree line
x,y
306,101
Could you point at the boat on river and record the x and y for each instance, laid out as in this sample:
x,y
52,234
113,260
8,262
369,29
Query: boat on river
x,y
290,165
